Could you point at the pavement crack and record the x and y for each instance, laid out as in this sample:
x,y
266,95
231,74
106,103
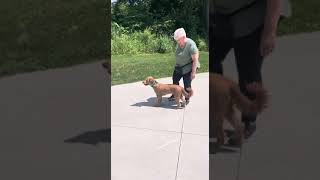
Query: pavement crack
x,y
147,129
181,132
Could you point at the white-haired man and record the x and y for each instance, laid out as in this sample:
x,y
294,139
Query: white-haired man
x,y
187,60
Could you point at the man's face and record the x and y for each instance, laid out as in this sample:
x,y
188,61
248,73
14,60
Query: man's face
x,y
181,41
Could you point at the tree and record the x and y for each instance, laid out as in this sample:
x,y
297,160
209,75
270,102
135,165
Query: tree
x,y
162,16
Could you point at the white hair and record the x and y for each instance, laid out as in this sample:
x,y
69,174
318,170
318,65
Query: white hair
x,y
179,33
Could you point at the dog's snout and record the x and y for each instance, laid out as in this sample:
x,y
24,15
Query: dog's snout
x,y
144,82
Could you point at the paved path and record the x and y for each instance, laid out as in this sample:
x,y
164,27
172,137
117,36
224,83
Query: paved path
x,y
286,144
40,111
159,143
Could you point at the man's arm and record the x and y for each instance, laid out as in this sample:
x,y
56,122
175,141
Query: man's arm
x,y
270,26
195,59
272,15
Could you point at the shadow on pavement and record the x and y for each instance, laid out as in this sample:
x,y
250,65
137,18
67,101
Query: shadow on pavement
x,y
153,100
92,137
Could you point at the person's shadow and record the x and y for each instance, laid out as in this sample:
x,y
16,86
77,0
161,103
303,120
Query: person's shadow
x,y
92,137
153,100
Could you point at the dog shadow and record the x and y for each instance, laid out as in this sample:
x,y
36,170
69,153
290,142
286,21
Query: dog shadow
x,y
92,137
153,100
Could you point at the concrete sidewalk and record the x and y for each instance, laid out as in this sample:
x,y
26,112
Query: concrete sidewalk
x,y
286,144
159,142
42,113
54,124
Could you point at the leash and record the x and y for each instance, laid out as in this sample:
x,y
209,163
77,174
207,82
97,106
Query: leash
x,y
154,84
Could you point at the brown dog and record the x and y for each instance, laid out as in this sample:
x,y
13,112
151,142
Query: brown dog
x,y
225,95
164,89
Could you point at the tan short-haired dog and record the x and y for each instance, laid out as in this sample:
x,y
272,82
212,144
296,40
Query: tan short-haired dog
x,y
225,96
164,89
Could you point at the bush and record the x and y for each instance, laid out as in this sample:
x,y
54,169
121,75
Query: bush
x,y
164,44
202,45
125,42
145,40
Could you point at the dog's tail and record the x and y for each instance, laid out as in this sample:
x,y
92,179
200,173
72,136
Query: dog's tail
x,y
245,104
187,94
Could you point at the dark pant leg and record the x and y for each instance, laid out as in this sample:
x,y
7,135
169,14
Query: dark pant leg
x,y
187,82
249,64
220,42
176,77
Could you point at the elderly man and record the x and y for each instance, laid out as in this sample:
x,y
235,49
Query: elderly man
x,y
187,60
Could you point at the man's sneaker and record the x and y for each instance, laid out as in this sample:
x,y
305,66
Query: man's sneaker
x,y
250,128
183,104
171,98
187,101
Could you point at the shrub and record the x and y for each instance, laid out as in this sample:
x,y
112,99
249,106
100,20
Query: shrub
x,y
125,42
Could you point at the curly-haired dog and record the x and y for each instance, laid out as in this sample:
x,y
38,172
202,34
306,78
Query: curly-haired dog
x,y
225,95
164,89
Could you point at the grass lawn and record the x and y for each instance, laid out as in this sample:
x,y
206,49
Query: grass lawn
x,y
126,69
42,34
305,17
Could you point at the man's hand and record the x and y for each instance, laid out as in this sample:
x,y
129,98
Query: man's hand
x,y
195,59
193,75
269,33
267,42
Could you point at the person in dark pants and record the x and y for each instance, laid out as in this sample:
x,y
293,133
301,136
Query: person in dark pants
x,y
187,60
249,28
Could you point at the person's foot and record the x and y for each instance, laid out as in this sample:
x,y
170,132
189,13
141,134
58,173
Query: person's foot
x,y
250,128
233,141
183,104
187,101
171,98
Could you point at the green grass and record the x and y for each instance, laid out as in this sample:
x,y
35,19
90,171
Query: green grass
x,y
41,34
126,69
305,17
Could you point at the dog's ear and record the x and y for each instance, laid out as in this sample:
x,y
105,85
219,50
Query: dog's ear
x,y
149,79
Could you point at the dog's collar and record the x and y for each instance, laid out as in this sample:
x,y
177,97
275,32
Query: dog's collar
x,y
154,84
